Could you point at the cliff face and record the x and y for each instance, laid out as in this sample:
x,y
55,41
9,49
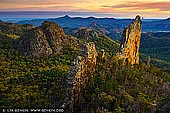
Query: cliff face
x,y
131,42
54,35
91,55
48,39
35,43
80,72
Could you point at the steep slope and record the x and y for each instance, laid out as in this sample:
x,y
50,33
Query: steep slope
x,y
34,43
101,41
54,35
48,39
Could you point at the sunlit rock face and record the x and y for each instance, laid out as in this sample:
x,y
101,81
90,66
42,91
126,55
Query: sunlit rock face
x,y
91,55
129,47
84,66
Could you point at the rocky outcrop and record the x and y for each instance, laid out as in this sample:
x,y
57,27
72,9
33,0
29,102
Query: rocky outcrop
x,y
131,42
34,43
80,72
101,41
86,33
54,35
90,55
48,39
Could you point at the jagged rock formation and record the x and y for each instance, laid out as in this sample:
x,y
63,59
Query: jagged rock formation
x,y
91,55
35,43
80,72
131,42
48,39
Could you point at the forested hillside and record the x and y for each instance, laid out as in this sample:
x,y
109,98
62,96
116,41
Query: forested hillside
x,y
40,81
157,46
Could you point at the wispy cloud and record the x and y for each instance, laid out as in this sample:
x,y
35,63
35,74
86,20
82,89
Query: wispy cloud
x,y
40,1
119,8
162,6
48,8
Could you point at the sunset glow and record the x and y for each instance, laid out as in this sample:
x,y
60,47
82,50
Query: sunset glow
x,y
119,8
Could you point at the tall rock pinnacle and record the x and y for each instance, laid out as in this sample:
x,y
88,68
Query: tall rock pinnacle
x,y
80,72
130,44
85,64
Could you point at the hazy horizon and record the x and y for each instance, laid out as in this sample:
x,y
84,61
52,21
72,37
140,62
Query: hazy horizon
x,y
56,14
116,8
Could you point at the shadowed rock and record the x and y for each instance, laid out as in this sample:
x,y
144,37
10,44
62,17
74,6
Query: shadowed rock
x,y
80,73
48,39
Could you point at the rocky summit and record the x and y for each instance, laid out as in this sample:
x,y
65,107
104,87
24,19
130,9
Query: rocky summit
x,y
129,47
48,39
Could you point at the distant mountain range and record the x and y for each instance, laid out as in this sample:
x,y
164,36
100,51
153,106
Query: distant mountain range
x,y
105,23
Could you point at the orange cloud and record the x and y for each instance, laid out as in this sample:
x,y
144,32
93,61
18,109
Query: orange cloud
x,y
146,9
118,8
162,6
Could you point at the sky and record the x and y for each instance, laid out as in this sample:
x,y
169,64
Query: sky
x,y
115,8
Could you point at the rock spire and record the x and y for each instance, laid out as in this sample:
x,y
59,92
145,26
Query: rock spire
x,y
80,73
129,47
